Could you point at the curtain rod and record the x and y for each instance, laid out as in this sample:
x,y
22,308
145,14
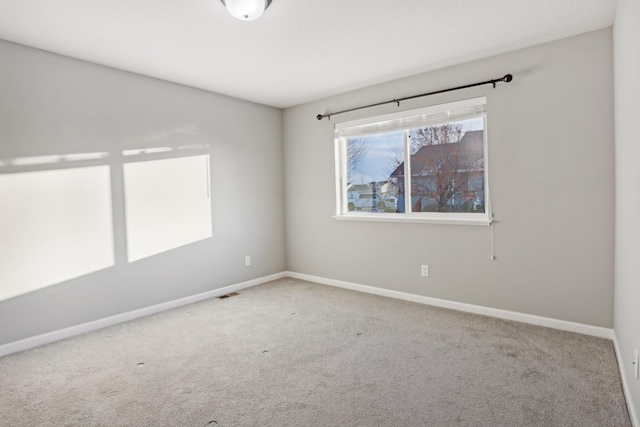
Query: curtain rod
x,y
507,78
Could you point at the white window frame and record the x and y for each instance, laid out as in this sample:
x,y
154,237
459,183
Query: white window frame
x,y
404,120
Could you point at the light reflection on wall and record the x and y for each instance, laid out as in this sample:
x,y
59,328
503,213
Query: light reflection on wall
x,y
167,203
56,211
55,225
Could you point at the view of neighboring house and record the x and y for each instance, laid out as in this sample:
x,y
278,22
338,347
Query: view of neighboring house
x,y
372,197
446,177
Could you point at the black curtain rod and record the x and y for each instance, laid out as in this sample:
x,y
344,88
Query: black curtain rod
x,y
507,78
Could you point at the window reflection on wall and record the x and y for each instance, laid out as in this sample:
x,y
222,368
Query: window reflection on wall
x,y
55,225
167,204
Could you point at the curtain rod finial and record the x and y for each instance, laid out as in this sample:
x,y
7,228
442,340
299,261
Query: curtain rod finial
x,y
507,78
319,117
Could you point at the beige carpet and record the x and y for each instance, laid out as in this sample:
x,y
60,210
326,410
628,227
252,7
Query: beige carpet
x,y
293,353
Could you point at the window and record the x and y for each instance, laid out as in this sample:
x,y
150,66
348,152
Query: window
x,y
423,165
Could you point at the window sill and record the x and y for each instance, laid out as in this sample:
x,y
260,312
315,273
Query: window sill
x,y
411,219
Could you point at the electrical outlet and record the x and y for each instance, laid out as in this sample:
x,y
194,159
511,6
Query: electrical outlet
x,y
425,271
636,368
247,261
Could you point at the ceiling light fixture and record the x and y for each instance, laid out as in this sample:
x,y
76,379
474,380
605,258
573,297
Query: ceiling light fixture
x,y
246,10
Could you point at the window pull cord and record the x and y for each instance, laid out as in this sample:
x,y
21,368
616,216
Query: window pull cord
x,y
493,251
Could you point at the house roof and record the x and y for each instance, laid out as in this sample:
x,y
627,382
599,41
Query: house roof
x,y
471,144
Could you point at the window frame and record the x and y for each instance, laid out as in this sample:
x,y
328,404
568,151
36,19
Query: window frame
x,y
434,111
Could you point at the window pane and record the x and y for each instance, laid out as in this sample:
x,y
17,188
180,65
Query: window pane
x,y
371,162
447,167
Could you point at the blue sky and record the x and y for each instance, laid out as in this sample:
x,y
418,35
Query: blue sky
x,y
385,152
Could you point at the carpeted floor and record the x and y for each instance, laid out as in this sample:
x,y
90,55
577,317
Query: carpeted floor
x,y
293,353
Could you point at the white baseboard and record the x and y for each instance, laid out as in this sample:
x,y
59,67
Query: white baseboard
x,y
564,325
487,311
625,384
31,342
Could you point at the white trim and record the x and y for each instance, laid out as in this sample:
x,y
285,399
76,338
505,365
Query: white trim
x,y
488,206
341,174
635,422
406,184
469,308
410,218
27,343
563,325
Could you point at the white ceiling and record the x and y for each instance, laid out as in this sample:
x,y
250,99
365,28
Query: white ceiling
x,y
299,50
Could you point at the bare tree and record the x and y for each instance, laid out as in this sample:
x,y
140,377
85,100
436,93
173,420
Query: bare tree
x,y
450,133
356,152
443,165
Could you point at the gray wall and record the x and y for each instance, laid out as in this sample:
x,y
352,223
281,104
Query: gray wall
x,y
550,135
552,179
626,33
51,104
